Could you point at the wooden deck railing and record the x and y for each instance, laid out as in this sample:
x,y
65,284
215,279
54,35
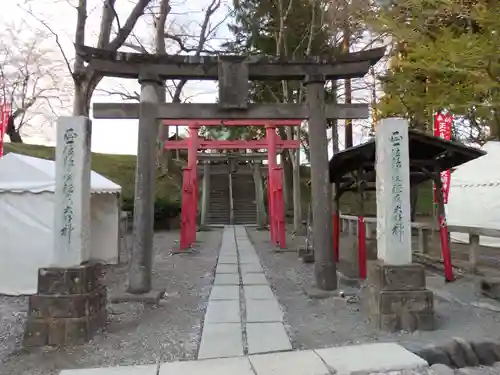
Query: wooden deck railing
x,y
423,231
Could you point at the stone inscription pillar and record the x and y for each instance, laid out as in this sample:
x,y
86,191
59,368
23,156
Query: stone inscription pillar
x,y
321,189
70,304
398,298
72,192
393,192
141,257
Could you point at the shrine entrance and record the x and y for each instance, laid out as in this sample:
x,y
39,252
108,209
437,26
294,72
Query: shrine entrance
x,y
233,74
190,186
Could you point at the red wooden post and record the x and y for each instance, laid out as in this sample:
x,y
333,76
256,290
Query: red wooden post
x,y
336,236
362,247
193,142
185,209
443,228
271,152
445,249
279,208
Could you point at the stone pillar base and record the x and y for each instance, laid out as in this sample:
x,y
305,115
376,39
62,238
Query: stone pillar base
x,y
398,299
69,308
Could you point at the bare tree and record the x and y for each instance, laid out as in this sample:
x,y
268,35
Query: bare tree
x,y
112,34
172,38
30,77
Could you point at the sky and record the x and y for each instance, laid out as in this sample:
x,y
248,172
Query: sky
x,y
116,136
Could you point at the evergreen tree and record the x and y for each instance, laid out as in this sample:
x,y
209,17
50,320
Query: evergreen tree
x,y
445,56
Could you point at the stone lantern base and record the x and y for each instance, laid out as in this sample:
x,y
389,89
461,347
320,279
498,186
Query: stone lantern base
x,y
69,308
398,299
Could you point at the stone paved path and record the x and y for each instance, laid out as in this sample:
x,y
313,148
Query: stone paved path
x,y
348,360
243,315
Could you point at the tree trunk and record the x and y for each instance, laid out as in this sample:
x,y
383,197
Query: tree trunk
x,y
348,88
297,194
15,136
80,107
287,182
13,133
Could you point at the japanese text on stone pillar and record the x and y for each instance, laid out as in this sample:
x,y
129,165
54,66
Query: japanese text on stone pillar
x,y
68,184
397,186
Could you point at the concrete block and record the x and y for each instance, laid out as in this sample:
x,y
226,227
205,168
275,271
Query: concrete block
x,y
370,358
225,292
267,338
222,366
227,279
221,340
226,268
223,312
254,279
392,278
121,370
290,363
267,310
251,267
410,301
258,292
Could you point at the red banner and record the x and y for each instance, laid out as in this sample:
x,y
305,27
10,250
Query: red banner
x,y
4,119
442,128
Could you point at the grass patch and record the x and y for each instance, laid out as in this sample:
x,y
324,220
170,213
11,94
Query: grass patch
x,y
119,169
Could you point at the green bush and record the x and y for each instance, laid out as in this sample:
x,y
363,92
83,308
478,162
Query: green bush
x,y
164,211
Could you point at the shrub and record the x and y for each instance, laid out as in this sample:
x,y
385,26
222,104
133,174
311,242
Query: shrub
x,y
164,211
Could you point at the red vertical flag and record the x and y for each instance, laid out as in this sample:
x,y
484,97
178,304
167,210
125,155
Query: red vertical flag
x,y
4,119
442,129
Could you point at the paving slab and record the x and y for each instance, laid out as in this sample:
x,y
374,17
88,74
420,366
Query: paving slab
x,y
227,279
266,310
221,340
267,337
226,268
225,292
251,267
258,292
254,279
222,366
121,370
378,357
290,363
223,312
227,259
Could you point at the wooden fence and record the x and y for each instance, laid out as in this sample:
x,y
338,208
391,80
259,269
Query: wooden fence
x,y
424,232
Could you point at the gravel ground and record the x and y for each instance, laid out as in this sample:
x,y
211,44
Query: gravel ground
x,y
315,323
136,334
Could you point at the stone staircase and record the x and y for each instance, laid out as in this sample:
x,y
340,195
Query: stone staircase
x,y
219,208
245,206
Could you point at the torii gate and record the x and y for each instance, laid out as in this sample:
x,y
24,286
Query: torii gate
x,y
233,74
190,178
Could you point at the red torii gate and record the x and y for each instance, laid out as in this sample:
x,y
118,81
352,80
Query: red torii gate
x,y
193,143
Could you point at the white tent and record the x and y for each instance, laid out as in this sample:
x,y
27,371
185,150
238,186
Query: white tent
x,y
27,188
474,198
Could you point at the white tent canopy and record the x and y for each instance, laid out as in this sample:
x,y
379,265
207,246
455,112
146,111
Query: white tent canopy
x,y
21,173
474,198
27,186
